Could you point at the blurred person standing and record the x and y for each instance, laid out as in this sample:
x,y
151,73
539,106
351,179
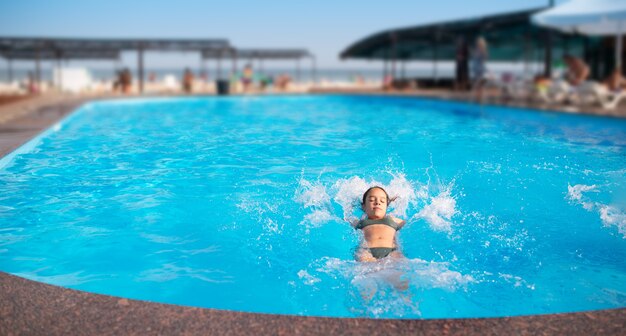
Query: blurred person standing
x,y
479,66
462,65
188,80
247,76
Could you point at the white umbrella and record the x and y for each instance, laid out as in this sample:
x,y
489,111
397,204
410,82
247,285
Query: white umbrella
x,y
589,17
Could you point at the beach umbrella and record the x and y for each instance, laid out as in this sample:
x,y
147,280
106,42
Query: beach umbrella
x,y
589,17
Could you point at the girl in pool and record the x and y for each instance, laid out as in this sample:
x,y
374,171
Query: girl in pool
x,y
379,230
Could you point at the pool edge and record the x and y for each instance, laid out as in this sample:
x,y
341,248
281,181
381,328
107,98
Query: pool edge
x,y
31,307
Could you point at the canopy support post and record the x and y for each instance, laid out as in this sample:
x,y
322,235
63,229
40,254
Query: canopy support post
x,y
313,70
10,69
140,68
547,70
618,45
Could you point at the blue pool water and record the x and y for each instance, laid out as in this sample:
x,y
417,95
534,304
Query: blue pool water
x,y
242,204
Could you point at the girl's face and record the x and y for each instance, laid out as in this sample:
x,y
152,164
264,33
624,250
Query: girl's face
x,y
375,205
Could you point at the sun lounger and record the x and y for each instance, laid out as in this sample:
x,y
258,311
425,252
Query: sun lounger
x,y
561,92
595,93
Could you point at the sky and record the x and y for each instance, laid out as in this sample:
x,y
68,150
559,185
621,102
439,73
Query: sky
x,y
323,27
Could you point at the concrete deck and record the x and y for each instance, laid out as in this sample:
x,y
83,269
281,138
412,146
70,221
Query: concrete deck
x,y
33,308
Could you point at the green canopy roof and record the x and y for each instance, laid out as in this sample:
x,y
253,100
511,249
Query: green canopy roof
x,y
510,36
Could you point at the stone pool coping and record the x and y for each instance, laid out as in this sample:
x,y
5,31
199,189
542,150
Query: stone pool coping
x,y
33,308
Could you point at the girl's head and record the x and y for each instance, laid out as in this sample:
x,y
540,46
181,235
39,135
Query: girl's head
x,y
375,202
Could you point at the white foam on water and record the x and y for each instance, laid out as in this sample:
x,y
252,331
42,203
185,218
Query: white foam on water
x,y
433,203
405,192
307,278
348,194
312,194
438,213
419,273
386,287
575,193
319,217
610,215
516,281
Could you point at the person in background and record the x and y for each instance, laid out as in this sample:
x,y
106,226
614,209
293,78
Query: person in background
x,y
462,66
577,70
388,82
125,80
188,81
479,66
32,84
615,82
247,76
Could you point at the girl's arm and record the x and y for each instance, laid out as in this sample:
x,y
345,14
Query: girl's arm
x,y
399,222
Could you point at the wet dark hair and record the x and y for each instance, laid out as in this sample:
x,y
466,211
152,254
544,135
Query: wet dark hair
x,y
389,200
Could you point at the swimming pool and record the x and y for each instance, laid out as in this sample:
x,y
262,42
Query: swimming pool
x,y
239,203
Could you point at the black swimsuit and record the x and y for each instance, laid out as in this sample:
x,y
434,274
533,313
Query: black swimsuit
x,y
385,221
379,252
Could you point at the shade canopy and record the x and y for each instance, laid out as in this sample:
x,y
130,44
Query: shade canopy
x,y
117,44
511,37
60,54
257,53
590,17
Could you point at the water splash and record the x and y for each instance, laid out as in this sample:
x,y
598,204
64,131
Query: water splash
x,y
348,193
439,212
388,287
411,196
575,194
312,194
407,194
610,215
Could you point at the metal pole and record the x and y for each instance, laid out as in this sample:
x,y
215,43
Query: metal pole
x,y
384,69
548,55
37,72
233,59
394,55
526,52
10,69
140,68
435,59
203,69
298,69
618,47
313,70
59,74
219,66
201,66
207,70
